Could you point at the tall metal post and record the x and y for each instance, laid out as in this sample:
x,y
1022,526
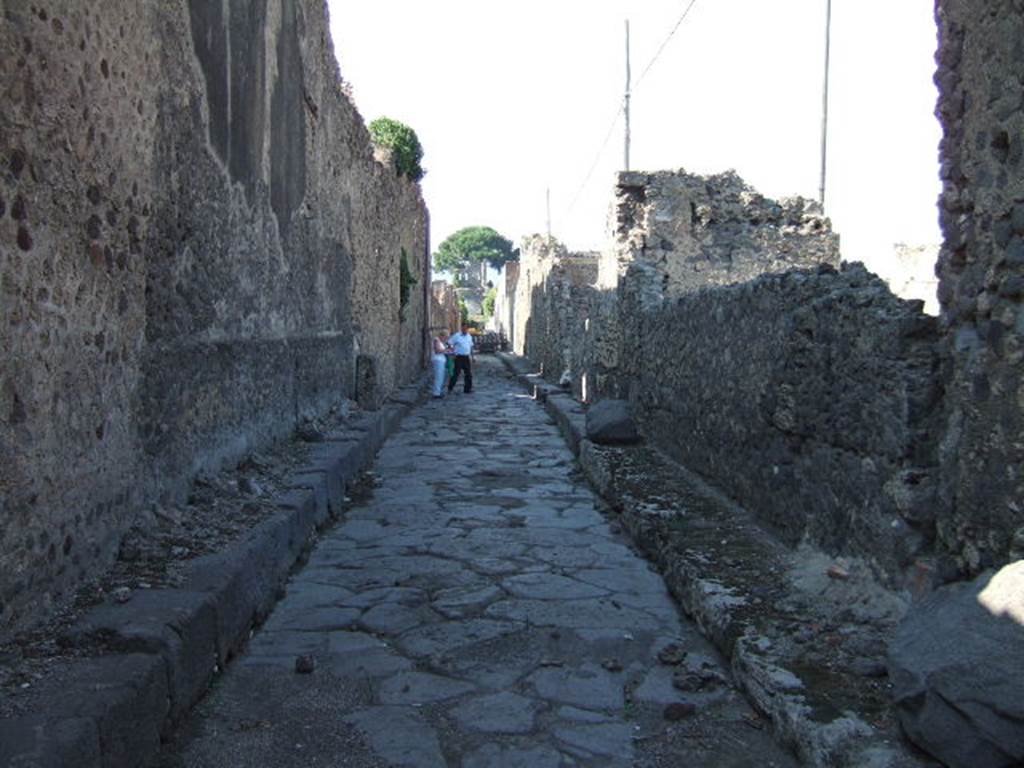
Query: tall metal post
x,y
549,212
824,104
625,107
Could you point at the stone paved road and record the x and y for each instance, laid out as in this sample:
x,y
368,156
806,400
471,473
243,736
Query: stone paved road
x,y
477,610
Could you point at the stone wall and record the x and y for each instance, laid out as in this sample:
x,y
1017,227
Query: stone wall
x,y
196,245
810,397
552,299
808,393
981,277
505,301
444,307
699,231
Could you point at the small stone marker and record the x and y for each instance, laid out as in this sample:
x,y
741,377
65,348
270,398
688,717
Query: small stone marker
x,y
610,423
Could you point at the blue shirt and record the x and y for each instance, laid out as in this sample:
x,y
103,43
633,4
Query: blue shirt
x,y
462,343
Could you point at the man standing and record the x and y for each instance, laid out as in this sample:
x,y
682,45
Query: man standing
x,y
462,343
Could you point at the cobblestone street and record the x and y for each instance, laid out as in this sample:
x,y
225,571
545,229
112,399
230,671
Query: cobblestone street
x,y
476,609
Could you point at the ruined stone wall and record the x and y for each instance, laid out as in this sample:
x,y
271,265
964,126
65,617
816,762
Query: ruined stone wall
x,y
192,224
700,231
810,397
505,301
981,276
553,295
444,313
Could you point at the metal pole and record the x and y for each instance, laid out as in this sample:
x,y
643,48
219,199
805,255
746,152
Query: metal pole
x,y
549,212
824,105
625,109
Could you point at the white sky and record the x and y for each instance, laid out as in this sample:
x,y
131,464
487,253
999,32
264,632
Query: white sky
x,y
511,98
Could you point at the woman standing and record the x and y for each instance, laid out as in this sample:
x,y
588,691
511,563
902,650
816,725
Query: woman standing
x,y
439,359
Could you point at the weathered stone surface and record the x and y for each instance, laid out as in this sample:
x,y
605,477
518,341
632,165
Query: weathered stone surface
x,y
497,756
219,242
43,743
503,712
807,390
502,680
957,668
181,627
400,736
609,422
980,266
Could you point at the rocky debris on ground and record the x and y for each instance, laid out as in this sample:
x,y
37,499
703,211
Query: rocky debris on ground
x,y
957,666
609,422
805,632
155,553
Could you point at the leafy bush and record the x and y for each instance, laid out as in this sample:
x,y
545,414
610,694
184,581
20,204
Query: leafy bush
x,y
404,144
488,304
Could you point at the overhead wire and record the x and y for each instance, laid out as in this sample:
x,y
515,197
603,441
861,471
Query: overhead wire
x,y
593,165
619,111
664,44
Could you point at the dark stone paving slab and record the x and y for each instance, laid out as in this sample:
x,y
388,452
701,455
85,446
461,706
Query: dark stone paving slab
x,y
475,610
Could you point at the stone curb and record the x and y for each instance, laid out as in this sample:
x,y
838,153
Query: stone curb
x,y
160,651
721,607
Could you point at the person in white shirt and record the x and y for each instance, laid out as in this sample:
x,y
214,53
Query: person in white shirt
x,y
439,360
462,343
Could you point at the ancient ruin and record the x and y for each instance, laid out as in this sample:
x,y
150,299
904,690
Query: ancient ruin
x,y
199,251
202,256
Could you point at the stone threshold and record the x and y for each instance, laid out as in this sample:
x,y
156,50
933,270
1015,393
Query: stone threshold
x,y
157,654
805,633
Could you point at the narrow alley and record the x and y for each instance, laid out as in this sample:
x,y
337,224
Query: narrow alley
x,y
475,609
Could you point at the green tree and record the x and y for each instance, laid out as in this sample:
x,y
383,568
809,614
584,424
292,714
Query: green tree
x,y
473,248
488,304
404,144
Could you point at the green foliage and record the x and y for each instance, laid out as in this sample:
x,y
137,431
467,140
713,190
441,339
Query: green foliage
x,y
463,311
403,142
488,303
406,280
472,245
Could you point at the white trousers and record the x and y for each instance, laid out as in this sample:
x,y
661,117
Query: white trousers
x,y
438,361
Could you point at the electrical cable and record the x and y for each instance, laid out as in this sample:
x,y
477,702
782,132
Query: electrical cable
x,y
619,112
593,165
665,43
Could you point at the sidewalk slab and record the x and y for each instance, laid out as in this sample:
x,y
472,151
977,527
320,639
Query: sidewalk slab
x,y
112,710
737,582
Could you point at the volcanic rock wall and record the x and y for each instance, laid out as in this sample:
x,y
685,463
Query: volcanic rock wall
x,y
981,277
809,393
196,246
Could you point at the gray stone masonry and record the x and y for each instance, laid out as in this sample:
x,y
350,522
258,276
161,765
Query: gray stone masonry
x,y
476,610
981,278
196,242
811,393
811,397
133,671
699,231
805,633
